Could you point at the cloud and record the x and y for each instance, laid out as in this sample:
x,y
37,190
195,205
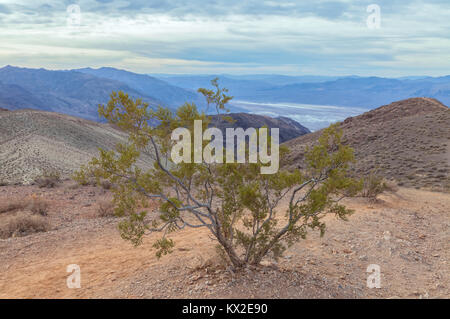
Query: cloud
x,y
240,36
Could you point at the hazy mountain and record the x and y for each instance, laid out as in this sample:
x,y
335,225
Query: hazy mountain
x,y
68,92
276,79
184,80
168,94
237,87
14,97
367,92
78,92
361,92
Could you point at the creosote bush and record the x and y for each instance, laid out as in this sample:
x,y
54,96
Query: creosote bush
x,y
251,215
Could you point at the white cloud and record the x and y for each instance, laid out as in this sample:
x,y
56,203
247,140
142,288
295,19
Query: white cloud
x,y
328,37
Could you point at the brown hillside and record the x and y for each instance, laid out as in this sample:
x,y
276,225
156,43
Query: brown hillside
x,y
408,141
34,141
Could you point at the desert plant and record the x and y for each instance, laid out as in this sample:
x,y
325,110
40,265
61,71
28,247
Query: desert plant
x,y
106,209
373,185
22,224
12,206
39,206
105,184
49,179
234,201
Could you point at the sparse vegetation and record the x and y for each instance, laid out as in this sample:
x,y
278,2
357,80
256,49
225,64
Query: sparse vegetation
x,y
13,206
373,186
35,205
39,206
22,224
238,204
49,179
106,209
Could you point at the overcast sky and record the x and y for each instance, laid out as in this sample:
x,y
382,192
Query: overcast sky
x,y
229,36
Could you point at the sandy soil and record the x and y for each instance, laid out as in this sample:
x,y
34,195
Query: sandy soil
x,y
406,234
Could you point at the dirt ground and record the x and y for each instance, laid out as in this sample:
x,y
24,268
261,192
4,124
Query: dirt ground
x,y
405,233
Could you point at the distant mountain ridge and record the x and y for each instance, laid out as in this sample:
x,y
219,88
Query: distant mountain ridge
x,y
78,92
67,92
168,94
351,91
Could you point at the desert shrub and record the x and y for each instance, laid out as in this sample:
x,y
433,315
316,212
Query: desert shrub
x,y
49,179
39,206
105,184
236,202
22,224
87,180
106,208
12,206
373,185
391,186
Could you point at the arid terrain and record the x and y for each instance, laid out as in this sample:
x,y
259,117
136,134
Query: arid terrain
x,y
34,141
406,231
408,141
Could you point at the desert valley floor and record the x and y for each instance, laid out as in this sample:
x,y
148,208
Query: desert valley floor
x,y
406,233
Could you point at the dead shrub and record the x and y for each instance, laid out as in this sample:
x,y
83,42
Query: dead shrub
x,y
106,208
22,224
49,179
39,206
12,206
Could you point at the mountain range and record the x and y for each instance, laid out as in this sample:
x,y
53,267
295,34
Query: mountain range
x,y
350,91
78,92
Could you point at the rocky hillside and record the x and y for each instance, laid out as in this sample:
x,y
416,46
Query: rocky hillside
x,y
34,141
408,141
289,129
